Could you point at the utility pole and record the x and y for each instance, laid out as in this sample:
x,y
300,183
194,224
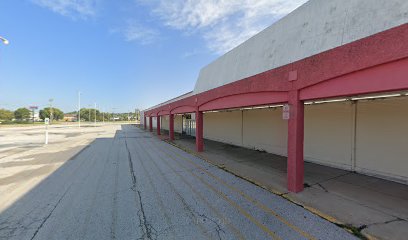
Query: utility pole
x,y
79,109
113,114
95,116
51,110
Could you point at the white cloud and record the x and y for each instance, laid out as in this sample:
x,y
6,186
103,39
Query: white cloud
x,y
224,24
137,32
70,8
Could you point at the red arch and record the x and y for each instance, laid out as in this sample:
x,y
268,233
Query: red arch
x,y
163,112
183,109
245,100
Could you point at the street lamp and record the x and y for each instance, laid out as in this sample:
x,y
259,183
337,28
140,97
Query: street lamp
x,y
5,41
51,110
79,109
95,116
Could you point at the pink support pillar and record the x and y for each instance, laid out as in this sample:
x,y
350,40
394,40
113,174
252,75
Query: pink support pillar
x,y
145,123
158,125
171,126
295,143
151,124
199,131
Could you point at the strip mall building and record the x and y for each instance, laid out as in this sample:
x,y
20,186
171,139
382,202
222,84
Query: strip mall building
x,y
327,84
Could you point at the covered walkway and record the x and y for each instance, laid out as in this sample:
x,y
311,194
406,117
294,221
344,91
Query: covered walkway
x,y
363,71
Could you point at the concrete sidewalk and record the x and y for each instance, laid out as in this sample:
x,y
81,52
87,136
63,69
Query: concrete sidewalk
x,y
370,207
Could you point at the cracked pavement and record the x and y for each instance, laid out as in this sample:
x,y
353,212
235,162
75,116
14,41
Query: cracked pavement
x,y
135,186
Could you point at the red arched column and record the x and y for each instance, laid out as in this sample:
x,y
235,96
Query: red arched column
x,y
295,165
199,131
158,125
171,126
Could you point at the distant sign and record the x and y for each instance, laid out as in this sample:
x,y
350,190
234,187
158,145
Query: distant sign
x,y
286,112
33,107
47,121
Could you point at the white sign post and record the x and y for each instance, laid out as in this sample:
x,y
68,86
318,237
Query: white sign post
x,y
46,122
286,112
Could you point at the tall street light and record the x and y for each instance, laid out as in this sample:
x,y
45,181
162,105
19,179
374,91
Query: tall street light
x,y
79,109
51,110
95,116
5,41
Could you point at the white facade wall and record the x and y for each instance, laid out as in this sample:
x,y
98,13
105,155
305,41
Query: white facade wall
x,y
178,123
382,138
164,124
329,134
264,129
154,122
316,26
369,137
230,129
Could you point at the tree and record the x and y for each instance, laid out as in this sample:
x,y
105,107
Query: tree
x,y
88,114
6,115
22,114
56,113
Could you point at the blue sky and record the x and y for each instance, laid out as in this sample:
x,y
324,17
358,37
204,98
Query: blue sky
x,y
120,54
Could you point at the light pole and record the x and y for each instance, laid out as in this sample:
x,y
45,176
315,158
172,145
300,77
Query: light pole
x,y
89,115
113,114
5,41
79,109
95,116
51,111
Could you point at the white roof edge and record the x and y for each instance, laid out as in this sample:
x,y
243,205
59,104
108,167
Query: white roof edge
x,y
182,96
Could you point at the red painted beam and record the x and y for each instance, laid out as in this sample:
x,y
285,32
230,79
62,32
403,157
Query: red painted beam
x,y
151,124
383,78
183,109
245,100
144,123
163,113
295,160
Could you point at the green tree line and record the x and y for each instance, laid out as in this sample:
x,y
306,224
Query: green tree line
x,y
87,114
24,114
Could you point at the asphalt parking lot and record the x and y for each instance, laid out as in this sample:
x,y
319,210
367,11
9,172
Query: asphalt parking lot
x,y
124,183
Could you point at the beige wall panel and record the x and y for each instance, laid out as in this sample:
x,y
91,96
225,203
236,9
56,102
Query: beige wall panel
x,y
329,134
224,127
164,122
382,138
264,129
177,123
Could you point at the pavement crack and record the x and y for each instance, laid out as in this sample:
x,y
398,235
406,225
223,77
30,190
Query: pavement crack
x,y
324,189
49,215
149,232
218,227
332,178
381,223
